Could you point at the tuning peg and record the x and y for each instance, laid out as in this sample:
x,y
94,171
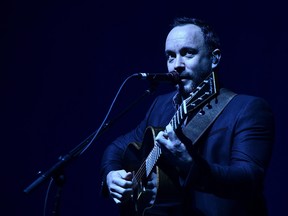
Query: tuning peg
x,y
209,106
201,112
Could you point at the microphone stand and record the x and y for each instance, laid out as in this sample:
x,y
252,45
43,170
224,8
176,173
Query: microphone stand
x,y
56,171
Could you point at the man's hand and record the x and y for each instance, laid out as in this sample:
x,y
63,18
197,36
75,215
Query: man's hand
x,y
119,184
174,148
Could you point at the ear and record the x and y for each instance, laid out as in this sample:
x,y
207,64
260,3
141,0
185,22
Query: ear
x,y
216,56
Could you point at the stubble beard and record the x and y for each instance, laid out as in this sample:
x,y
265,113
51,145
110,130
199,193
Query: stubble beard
x,y
185,90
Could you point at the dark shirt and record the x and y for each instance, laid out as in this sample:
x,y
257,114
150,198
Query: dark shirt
x,y
229,162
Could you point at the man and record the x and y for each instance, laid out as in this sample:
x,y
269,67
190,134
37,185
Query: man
x,y
222,171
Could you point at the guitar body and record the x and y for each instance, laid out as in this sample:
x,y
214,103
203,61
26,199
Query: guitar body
x,y
133,158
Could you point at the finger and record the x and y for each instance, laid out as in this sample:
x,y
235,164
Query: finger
x,y
161,134
122,183
120,193
118,198
122,178
161,137
171,133
117,201
129,176
168,128
125,175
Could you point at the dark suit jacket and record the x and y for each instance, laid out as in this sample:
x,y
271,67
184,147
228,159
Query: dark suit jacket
x,y
229,161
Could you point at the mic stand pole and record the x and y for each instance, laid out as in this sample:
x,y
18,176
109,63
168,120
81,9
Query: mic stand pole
x,y
60,180
56,171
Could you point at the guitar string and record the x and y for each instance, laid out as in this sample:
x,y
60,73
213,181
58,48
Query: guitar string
x,y
175,122
147,167
143,168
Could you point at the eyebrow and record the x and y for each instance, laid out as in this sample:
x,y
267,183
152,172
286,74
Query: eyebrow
x,y
181,50
168,52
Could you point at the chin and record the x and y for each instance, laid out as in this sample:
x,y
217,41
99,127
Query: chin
x,y
186,88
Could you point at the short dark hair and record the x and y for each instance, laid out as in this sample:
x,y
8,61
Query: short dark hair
x,y
211,38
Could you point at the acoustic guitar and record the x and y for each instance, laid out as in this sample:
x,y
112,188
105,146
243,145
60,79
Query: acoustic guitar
x,y
148,152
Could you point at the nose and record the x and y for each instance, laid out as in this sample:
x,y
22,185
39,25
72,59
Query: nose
x,y
179,64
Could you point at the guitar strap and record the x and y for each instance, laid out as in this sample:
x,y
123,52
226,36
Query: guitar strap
x,y
196,127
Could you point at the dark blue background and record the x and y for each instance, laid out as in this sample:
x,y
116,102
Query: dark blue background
x,y
63,62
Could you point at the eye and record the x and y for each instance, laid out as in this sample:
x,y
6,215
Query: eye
x,y
170,56
189,52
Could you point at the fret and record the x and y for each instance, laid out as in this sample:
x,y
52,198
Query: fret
x,y
172,122
152,159
178,120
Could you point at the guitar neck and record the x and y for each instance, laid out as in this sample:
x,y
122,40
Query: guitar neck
x,y
199,96
147,166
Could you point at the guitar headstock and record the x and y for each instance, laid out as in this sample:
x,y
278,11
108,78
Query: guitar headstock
x,y
202,93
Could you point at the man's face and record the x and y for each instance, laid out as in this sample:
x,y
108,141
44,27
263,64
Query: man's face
x,y
187,54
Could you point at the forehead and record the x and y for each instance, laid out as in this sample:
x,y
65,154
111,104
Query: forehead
x,y
187,35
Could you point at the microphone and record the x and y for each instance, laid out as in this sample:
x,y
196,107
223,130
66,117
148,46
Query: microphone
x,y
164,77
